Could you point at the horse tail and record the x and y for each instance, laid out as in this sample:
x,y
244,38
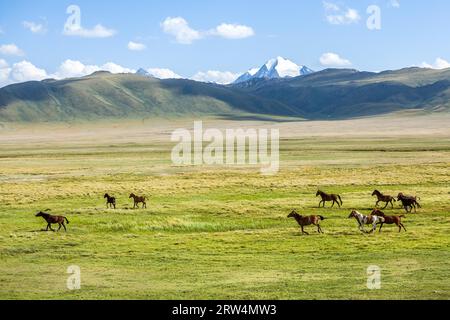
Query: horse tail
x,y
66,220
340,199
321,217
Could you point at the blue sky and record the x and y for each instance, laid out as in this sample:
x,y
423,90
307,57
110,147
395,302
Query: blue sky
x,y
230,36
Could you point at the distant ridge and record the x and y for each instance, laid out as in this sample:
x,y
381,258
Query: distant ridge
x,y
326,94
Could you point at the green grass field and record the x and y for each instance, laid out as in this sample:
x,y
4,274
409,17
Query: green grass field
x,y
220,232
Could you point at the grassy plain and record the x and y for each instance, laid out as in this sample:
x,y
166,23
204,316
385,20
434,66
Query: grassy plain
x,y
221,232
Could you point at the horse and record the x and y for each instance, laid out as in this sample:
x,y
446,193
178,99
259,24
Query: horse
x,y
52,220
363,220
138,200
383,198
110,201
306,221
389,219
408,202
329,197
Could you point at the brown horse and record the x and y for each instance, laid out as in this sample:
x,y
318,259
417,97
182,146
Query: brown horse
x,y
110,201
397,220
408,202
138,200
383,198
52,220
306,221
329,197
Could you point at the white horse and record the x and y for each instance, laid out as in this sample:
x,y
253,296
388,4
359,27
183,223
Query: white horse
x,y
363,220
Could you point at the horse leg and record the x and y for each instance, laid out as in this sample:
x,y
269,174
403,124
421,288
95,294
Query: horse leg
x,y
48,226
376,203
403,226
392,204
386,205
320,202
319,229
332,205
64,226
59,226
381,226
51,227
303,231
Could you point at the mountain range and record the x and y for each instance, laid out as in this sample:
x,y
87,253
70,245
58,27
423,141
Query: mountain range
x,y
276,68
326,94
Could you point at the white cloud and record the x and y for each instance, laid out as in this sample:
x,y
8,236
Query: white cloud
x,y
73,68
438,64
5,70
26,71
221,77
98,31
336,15
136,46
330,6
11,50
330,59
179,28
162,73
34,27
115,68
183,33
233,31
394,3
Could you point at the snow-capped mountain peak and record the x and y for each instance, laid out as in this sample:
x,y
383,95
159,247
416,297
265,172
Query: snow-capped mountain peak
x,y
278,67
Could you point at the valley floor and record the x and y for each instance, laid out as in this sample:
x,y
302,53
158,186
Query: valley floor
x,y
213,232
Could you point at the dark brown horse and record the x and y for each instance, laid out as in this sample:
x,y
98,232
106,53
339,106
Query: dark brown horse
x,y
306,221
383,198
138,200
408,202
52,220
110,201
329,197
397,220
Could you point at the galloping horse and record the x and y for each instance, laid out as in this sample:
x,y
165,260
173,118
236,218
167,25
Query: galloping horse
x,y
138,200
110,201
363,220
52,220
389,219
329,197
383,198
408,202
306,221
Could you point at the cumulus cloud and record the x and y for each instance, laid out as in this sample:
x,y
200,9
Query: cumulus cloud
x,y
337,15
136,46
26,71
74,68
183,33
163,73
34,27
233,31
11,50
180,29
438,64
330,59
394,3
221,77
98,31
5,70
